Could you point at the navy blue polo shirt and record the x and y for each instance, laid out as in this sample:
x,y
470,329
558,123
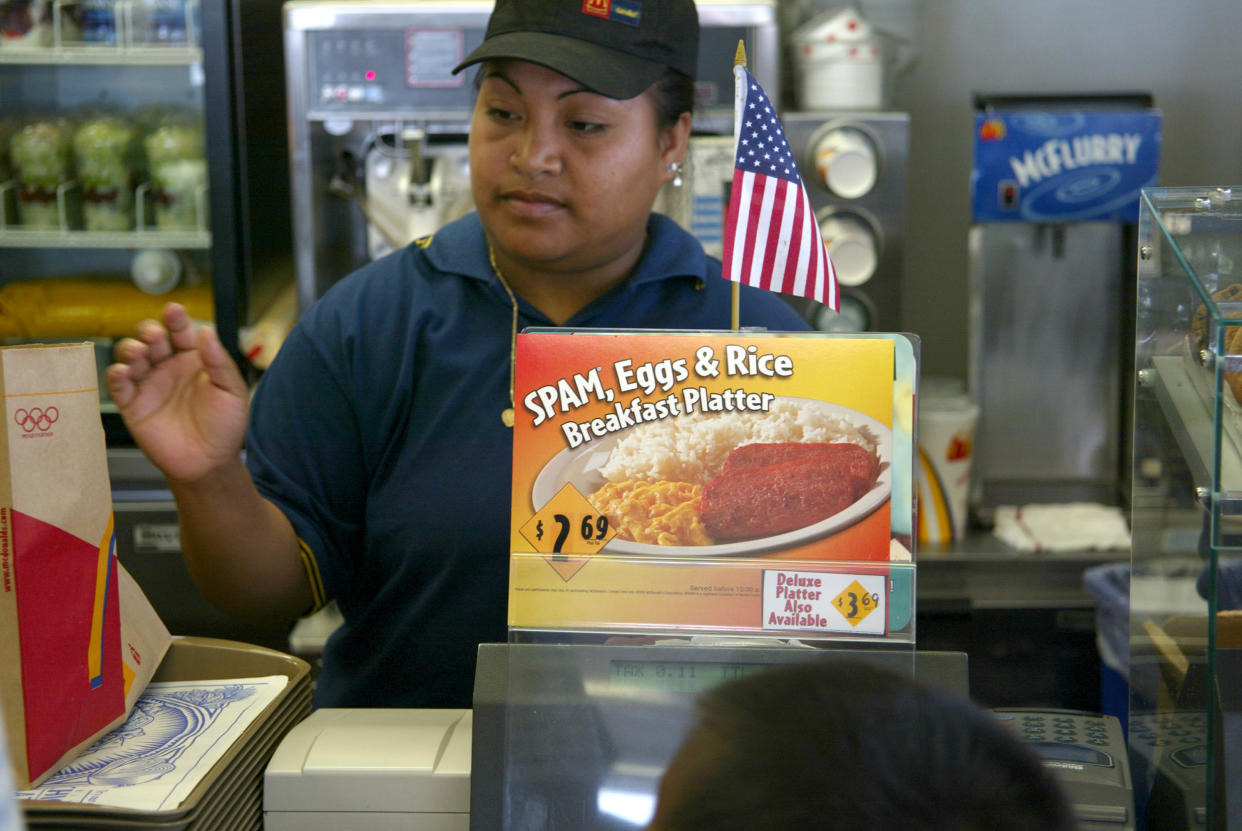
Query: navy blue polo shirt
x,y
378,431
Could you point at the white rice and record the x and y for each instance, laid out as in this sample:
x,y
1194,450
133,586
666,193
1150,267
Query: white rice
x,y
693,448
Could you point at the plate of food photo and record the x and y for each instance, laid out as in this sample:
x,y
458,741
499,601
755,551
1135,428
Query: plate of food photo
x,y
734,483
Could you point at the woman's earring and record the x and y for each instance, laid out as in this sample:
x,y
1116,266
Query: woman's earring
x,y
675,169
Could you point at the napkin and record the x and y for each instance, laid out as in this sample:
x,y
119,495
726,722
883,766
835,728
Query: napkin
x,y
1070,526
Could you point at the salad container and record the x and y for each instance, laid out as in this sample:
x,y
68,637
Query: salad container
x,y
39,153
178,170
104,150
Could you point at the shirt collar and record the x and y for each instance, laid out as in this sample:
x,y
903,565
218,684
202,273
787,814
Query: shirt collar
x,y
461,248
671,252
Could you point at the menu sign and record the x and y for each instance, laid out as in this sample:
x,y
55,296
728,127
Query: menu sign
x,y
714,482
1062,165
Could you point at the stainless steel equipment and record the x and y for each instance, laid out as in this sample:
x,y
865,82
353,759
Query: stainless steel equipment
x,y
854,167
1052,309
378,123
372,108
1051,428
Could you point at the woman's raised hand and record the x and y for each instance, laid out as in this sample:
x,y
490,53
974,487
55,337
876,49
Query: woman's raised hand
x,y
180,394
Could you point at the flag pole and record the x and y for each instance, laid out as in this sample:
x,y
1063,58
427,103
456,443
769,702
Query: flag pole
x,y
739,59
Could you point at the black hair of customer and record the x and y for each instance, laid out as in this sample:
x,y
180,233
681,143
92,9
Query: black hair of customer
x,y
835,745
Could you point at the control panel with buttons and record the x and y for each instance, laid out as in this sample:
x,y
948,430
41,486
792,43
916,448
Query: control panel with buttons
x,y
1087,752
1175,746
363,72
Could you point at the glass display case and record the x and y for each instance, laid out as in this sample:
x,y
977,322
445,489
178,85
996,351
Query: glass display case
x,y
140,163
1185,624
93,117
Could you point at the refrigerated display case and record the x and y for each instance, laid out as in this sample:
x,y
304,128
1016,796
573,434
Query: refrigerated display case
x,y
143,158
1184,624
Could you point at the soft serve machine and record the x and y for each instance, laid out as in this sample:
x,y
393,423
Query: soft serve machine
x,y
378,122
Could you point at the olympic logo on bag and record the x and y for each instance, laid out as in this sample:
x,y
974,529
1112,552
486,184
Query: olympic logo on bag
x,y
36,418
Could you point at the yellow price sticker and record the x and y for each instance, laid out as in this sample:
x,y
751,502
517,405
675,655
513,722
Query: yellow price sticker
x,y
854,603
568,524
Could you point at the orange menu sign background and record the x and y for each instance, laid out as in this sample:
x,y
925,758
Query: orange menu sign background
x,y
578,395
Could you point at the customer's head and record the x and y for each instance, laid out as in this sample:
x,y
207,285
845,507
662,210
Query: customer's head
x,y
827,745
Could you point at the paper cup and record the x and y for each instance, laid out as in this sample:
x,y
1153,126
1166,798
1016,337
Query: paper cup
x,y
852,246
845,160
946,446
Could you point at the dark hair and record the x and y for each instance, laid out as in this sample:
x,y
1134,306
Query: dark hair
x,y
674,94
828,745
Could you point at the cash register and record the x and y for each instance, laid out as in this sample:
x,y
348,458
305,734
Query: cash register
x,y
575,737
561,736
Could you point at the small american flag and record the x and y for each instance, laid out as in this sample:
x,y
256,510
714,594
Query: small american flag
x,y
771,237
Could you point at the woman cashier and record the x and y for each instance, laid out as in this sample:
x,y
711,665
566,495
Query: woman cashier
x,y
378,444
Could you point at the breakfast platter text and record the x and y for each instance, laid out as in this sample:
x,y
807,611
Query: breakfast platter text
x,y
629,408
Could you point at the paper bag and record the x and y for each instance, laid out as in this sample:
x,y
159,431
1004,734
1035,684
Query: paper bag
x,y
78,640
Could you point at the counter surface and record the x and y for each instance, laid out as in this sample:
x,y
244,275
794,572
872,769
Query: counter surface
x,y
983,572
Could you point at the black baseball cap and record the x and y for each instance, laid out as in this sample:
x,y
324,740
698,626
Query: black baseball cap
x,y
617,48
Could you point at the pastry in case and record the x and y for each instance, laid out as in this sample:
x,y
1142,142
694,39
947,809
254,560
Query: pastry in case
x,y
1229,301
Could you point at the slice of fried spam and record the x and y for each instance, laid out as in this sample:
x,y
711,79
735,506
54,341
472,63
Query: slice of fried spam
x,y
853,458
761,501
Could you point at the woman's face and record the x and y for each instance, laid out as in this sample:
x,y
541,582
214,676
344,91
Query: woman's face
x,y
564,178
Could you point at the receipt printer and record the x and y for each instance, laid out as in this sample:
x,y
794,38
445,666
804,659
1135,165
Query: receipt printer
x,y
367,769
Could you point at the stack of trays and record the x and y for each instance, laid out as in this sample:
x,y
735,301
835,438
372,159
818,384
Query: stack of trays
x,y
231,795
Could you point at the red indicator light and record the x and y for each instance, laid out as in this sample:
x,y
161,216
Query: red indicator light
x,y
370,76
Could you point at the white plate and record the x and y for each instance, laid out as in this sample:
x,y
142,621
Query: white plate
x,y
580,466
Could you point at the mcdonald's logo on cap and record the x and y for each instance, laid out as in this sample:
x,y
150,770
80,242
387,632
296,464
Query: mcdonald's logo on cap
x,y
599,8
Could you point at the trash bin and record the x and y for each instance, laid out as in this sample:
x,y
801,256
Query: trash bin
x,y
1228,584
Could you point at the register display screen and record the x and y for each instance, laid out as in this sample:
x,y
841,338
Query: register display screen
x,y
675,676
1055,752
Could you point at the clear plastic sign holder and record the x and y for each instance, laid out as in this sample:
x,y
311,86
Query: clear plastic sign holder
x,y
685,513
576,736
